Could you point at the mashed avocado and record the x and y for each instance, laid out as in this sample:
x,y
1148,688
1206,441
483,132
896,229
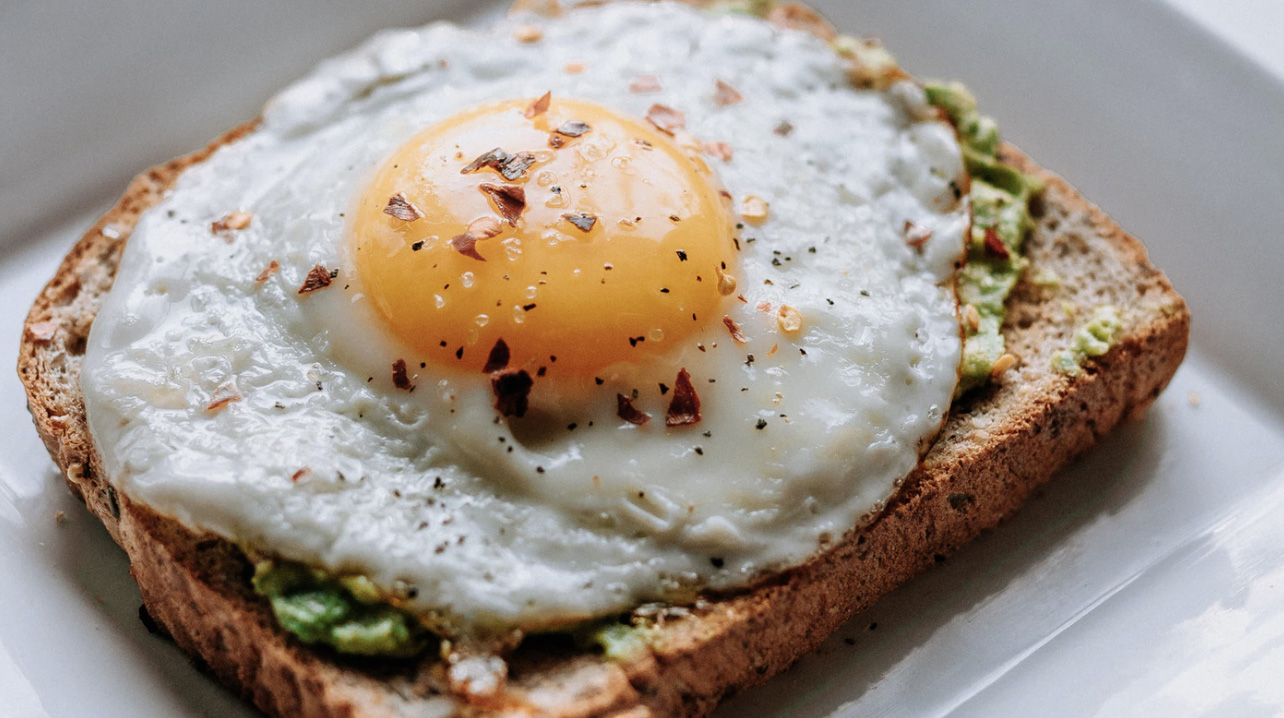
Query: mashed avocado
x,y
619,642
348,614
757,8
1091,340
1000,222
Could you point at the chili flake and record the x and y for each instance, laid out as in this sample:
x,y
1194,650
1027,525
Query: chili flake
x,y
727,95
582,220
402,209
222,396
994,245
509,199
268,271
231,222
916,236
318,278
734,328
645,83
685,406
721,150
625,410
498,358
539,106
512,391
510,166
665,118
400,378
574,128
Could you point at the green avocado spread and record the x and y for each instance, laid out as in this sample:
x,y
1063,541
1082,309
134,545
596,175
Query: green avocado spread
x,y
1000,222
1092,339
352,616
348,613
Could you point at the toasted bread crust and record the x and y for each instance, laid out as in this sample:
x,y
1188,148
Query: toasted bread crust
x,y
999,444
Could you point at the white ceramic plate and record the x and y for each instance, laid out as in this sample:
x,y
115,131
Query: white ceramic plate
x,y
1147,579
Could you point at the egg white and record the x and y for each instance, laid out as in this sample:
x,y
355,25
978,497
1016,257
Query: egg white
x,y
529,522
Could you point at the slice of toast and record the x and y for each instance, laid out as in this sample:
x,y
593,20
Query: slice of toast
x,y
999,443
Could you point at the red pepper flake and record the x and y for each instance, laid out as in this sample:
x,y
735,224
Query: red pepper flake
x,y
466,243
402,209
300,474
734,329
231,222
489,159
268,271
666,119
318,278
625,410
43,331
721,150
498,358
400,378
685,407
764,307
994,245
512,389
540,106
574,128
916,236
645,83
582,220
797,16
510,199
222,396
727,95
511,166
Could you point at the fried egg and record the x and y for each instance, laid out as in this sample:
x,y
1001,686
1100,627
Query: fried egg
x,y
544,324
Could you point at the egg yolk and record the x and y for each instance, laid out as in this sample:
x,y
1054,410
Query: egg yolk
x,y
579,236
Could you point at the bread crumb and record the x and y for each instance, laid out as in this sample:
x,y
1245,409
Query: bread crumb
x,y
60,517
1194,399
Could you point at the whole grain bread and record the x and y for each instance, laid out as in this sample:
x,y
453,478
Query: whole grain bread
x,y
999,443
